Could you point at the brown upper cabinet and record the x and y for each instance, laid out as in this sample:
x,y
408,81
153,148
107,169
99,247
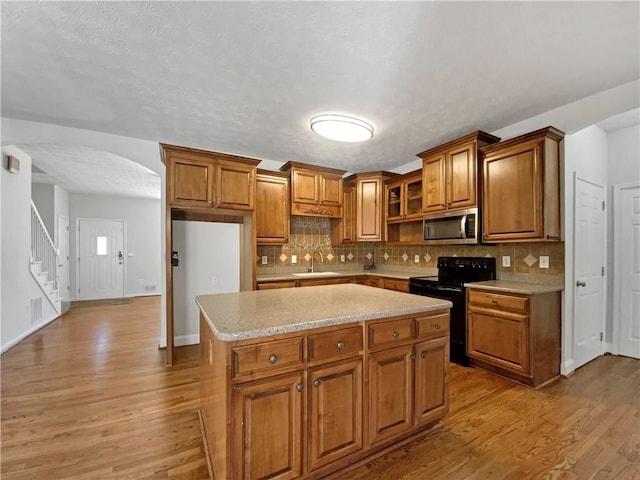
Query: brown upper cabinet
x,y
450,173
370,204
272,207
315,191
203,179
343,230
404,198
521,188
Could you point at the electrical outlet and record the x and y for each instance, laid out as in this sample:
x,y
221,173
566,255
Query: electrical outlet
x,y
544,261
342,258
294,258
264,260
416,258
506,261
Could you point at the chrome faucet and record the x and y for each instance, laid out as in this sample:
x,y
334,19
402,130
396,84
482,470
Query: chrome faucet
x,y
317,249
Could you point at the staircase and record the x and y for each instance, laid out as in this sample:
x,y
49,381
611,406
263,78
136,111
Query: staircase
x,y
44,260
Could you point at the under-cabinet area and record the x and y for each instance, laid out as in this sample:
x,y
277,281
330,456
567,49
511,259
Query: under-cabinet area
x,y
302,393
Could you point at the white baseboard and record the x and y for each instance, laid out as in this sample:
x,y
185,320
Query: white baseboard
x,y
19,338
182,340
567,367
607,347
148,294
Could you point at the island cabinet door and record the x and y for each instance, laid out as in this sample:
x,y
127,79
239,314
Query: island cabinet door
x,y
432,380
268,427
390,392
335,412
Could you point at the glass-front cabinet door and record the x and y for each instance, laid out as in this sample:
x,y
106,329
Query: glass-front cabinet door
x,y
394,202
413,198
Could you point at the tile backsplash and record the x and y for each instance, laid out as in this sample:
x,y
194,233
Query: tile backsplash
x,y
312,236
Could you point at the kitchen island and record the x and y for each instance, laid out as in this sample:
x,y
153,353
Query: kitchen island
x,y
304,382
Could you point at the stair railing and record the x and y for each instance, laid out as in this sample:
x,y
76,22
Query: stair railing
x,y
43,249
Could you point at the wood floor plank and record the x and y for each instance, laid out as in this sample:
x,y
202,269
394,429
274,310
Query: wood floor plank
x,y
89,397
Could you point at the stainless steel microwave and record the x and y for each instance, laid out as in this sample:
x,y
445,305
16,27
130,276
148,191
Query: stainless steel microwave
x,y
450,228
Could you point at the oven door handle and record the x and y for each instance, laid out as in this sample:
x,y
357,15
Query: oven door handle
x,y
444,289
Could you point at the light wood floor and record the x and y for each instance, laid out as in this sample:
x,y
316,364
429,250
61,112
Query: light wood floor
x,y
89,397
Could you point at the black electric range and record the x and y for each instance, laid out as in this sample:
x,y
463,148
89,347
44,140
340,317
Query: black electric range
x,y
453,273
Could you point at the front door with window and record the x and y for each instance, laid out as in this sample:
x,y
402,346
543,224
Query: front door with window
x,y
100,259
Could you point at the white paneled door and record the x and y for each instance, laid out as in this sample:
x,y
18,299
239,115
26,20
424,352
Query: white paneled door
x,y
589,259
627,269
100,259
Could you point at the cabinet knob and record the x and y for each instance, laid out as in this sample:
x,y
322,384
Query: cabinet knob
x,y
494,301
340,345
412,356
423,354
300,387
273,359
316,383
581,284
395,334
437,326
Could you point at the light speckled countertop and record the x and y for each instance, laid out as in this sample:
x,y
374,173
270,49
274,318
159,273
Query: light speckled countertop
x,y
260,313
508,286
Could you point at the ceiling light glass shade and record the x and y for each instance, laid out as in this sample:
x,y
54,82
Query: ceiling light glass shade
x,y
341,128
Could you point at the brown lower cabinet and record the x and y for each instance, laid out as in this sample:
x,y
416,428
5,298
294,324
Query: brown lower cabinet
x,y
515,335
307,404
397,284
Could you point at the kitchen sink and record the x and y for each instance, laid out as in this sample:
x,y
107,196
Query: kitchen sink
x,y
314,274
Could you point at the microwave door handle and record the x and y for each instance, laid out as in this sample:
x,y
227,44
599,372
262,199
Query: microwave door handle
x,y
463,225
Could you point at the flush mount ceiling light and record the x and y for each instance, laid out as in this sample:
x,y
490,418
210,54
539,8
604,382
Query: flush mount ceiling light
x,y
341,128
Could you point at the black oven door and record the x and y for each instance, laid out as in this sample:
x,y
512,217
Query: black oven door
x,y
458,328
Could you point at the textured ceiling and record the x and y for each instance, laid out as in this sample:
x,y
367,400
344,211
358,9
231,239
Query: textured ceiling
x,y
245,77
80,169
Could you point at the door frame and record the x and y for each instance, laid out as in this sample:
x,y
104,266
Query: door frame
x,y
67,294
603,318
617,259
124,251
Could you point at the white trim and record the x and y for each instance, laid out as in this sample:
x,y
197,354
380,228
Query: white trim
x,y
567,367
22,336
607,347
149,294
182,340
617,261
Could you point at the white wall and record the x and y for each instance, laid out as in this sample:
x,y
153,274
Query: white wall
x,y
624,168
144,237
61,202
585,156
43,198
209,255
18,286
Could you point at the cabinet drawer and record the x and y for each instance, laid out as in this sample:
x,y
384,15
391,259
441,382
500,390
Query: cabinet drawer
x,y
390,332
266,357
396,284
338,343
274,285
432,325
499,301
